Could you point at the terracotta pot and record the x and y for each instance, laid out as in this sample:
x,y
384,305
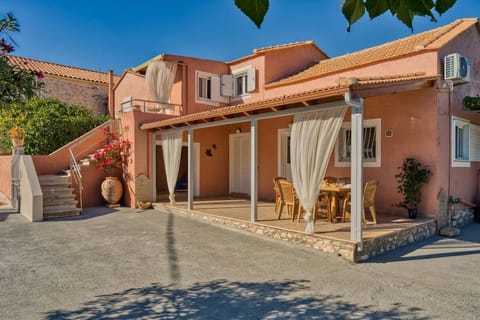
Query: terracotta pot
x,y
17,142
112,190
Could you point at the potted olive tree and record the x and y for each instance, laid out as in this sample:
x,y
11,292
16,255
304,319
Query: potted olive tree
x,y
411,178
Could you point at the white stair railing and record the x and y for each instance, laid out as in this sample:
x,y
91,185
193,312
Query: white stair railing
x,y
75,172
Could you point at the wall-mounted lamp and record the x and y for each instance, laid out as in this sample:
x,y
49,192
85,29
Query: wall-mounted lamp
x,y
239,130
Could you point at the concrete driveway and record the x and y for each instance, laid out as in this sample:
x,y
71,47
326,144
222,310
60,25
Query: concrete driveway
x,y
132,264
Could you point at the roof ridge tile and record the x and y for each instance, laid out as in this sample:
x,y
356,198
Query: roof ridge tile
x,y
427,40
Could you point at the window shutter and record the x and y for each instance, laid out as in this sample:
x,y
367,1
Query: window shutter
x,y
474,142
226,82
216,90
251,80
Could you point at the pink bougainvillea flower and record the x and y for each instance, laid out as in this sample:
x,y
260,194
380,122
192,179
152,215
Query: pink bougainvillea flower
x,y
113,152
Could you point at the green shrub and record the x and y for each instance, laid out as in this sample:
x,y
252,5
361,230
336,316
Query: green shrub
x,y
48,123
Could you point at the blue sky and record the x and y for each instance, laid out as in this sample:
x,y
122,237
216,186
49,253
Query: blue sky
x,y
107,34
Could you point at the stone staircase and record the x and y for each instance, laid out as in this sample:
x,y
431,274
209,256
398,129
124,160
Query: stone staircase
x,y
58,197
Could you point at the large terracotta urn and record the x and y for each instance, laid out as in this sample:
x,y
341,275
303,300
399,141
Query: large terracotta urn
x,y
112,190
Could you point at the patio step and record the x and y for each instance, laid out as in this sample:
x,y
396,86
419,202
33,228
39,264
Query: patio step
x,y
61,212
58,197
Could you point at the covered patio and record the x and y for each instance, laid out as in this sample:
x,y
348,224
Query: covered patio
x,y
352,240
389,233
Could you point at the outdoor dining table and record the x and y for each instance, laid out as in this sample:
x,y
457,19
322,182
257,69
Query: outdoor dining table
x,y
335,191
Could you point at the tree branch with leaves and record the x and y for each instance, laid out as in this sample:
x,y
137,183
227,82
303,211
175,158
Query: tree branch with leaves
x,y
15,83
353,10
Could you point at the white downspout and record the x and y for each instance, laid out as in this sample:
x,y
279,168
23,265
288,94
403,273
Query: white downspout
x,y
356,169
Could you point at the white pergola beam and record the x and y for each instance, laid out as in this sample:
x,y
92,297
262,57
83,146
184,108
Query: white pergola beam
x,y
267,115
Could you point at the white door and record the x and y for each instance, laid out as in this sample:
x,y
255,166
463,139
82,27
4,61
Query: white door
x,y
240,163
284,165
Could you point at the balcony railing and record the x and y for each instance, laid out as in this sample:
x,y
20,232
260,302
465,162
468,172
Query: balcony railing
x,y
151,106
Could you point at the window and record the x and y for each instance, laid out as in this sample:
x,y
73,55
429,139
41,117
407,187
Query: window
x,y
243,81
207,89
460,143
371,144
240,84
204,87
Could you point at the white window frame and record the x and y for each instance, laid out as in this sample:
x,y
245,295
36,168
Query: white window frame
x,y
368,123
239,91
242,73
464,124
205,75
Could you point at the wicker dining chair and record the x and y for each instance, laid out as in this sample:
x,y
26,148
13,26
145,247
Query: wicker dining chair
x,y
279,201
290,198
323,207
368,202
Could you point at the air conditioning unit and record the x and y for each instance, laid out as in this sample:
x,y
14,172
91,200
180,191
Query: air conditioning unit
x,y
456,68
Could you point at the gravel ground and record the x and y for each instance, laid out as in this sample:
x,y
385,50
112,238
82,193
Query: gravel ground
x,y
132,264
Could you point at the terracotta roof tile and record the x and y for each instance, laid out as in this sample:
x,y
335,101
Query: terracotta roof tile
x,y
55,69
342,85
425,41
285,46
279,47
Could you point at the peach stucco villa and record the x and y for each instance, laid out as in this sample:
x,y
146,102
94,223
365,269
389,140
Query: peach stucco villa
x,y
415,112
235,119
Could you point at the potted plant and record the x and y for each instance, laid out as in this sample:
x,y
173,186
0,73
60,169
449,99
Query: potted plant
x,y
471,103
17,135
411,178
110,156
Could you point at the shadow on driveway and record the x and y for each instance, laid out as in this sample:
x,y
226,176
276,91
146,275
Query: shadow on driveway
x,y
221,299
88,213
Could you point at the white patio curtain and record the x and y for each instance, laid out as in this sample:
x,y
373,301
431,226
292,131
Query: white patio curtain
x,y
159,78
172,151
313,136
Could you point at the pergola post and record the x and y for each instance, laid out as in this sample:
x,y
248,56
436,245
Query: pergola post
x,y
356,170
253,170
154,166
190,169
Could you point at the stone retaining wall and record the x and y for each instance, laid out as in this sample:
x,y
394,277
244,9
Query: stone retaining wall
x,y
461,218
342,248
375,246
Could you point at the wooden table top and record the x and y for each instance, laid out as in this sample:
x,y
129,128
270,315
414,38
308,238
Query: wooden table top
x,y
336,188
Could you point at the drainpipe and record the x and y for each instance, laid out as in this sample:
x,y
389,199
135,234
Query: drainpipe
x,y
111,105
356,169
185,89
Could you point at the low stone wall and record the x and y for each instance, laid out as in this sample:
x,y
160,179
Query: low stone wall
x,y
343,248
461,218
375,246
